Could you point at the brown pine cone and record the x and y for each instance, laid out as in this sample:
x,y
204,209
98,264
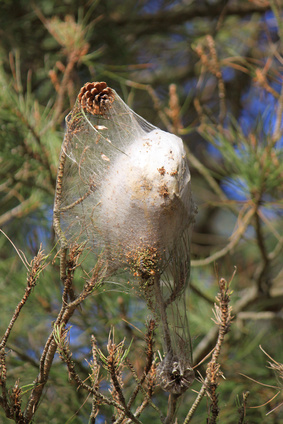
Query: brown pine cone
x,y
96,98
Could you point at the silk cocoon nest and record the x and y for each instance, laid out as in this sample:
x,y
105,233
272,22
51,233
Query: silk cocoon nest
x,y
126,183
123,194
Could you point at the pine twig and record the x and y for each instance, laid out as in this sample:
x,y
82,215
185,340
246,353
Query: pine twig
x,y
149,360
113,371
147,393
16,404
81,384
223,319
212,375
11,403
3,375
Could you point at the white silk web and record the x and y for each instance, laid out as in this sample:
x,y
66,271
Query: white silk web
x,y
123,189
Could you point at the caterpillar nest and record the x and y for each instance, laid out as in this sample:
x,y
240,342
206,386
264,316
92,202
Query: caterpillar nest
x,y
124,192
126,184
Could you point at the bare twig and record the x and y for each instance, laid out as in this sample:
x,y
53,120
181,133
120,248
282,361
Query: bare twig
x,y
206,174
166,18
235,238
156,103
171,410
263,281
23,355
24,208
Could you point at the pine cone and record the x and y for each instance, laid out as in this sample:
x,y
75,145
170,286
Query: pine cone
x,y
96,97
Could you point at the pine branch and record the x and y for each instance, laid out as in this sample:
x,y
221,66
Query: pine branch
x,y
164,20
66,312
